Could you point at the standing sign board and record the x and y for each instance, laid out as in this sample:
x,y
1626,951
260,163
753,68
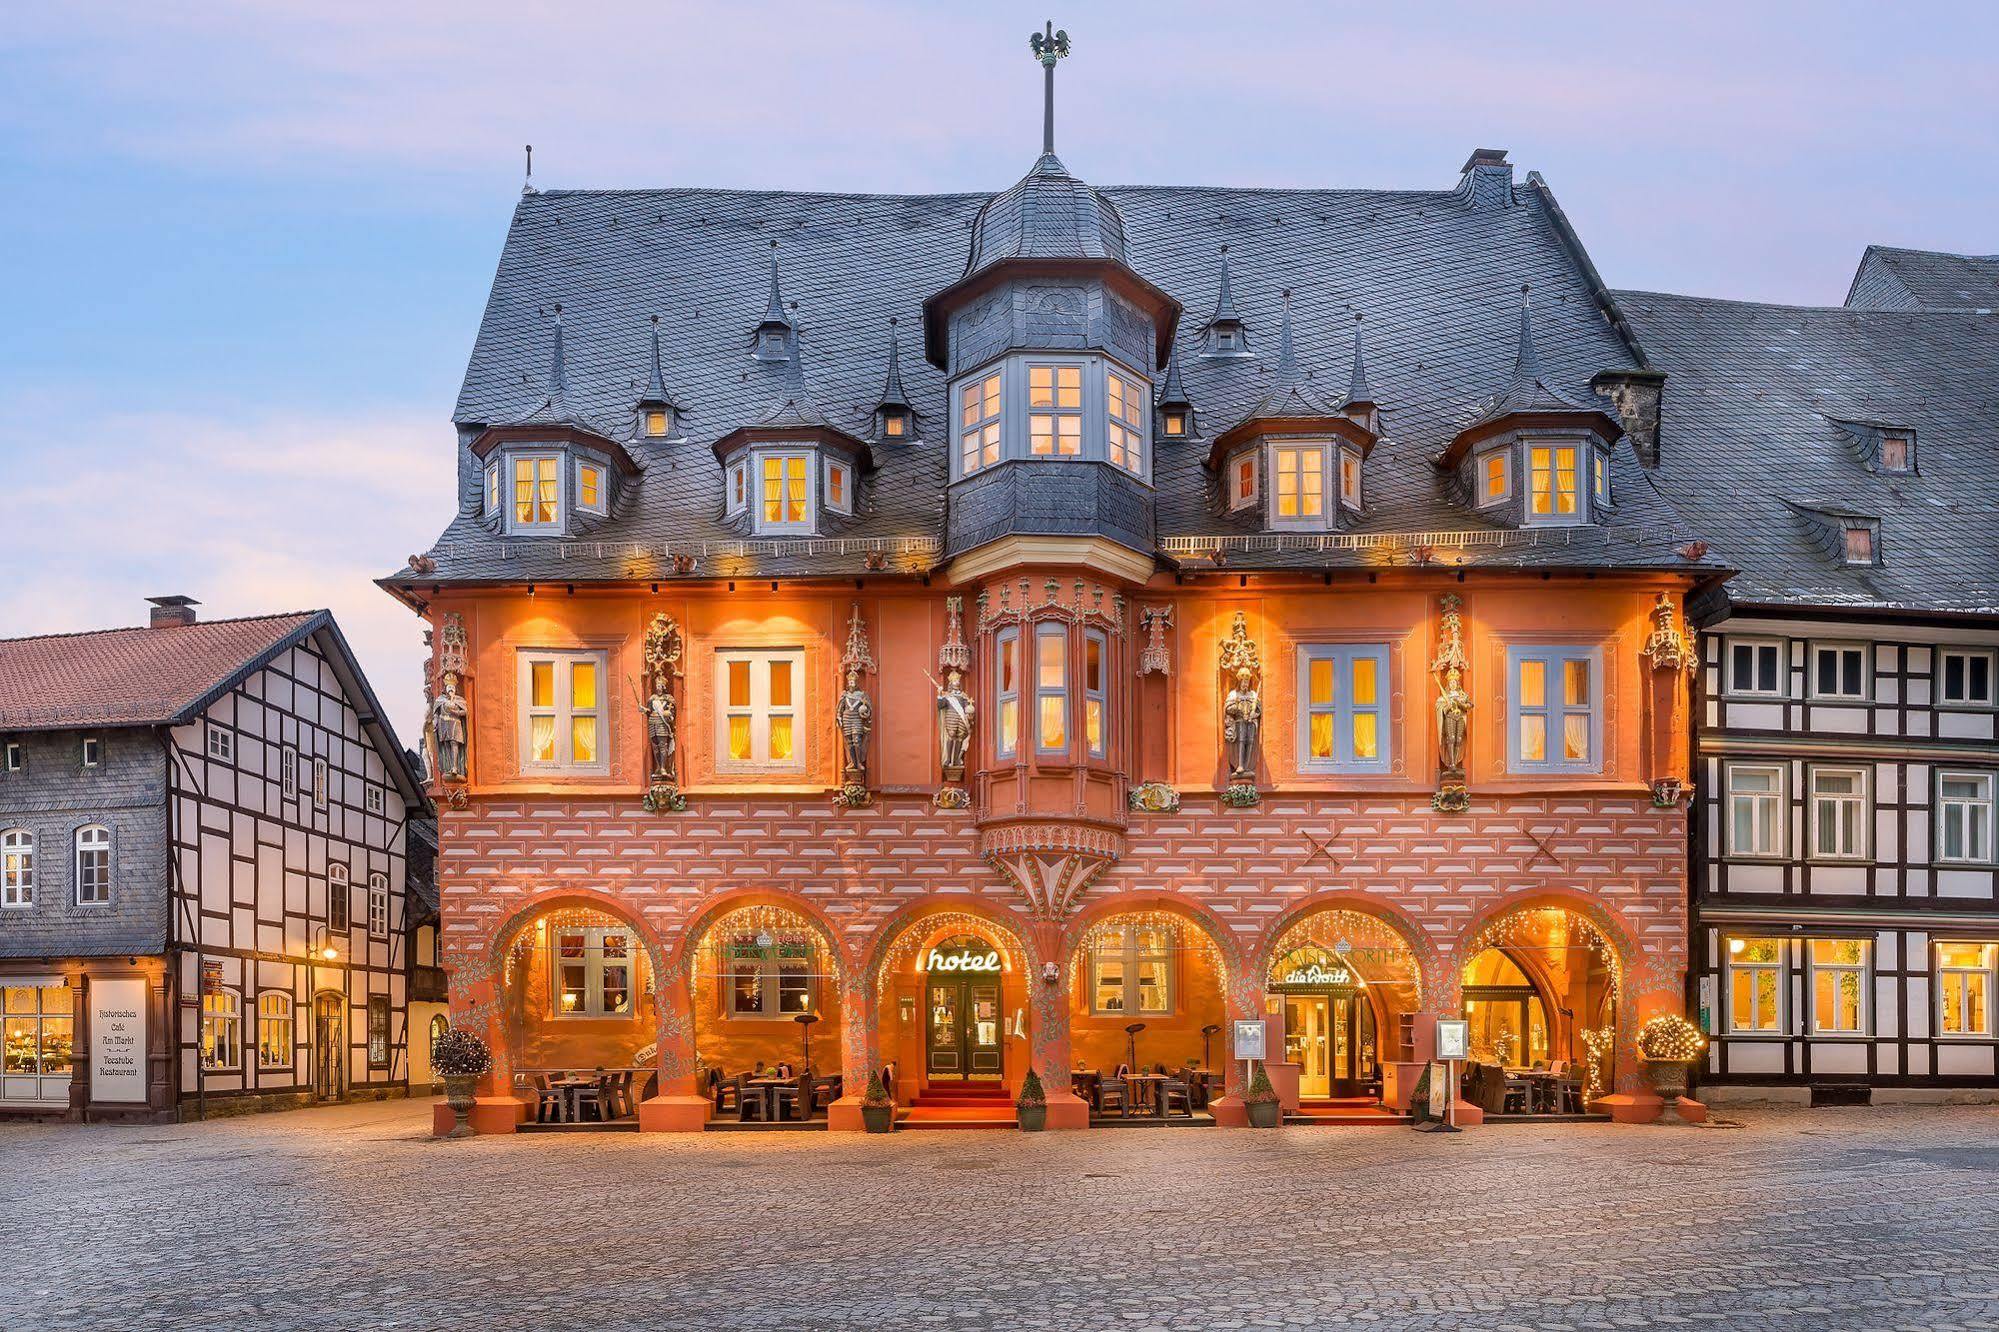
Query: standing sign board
x,y
118,1040
1249,1038
1453,1039
1453,1044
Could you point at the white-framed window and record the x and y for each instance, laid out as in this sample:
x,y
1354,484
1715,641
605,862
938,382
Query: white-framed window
x,y
773,982
1756,667
378,905
593,968
1495,476
1965,977
321,782
1350,478
1839,670
288,771
1964,818
221,1030
758,709
1551,483
1600,475
1055,411
1131,972
492,488
1756,820
1126,407
1964,677
277,1038
784,491
1755,986
1242,480
1838,986
839,486
1096,694
537,491
1859,545
1343,706
338,899
1840,816
93,865
979,423
1557,710
372,799
1006,693
93,751
590,488
221,744
1051,688
736,489
1298,485
562,722
17,868
17,756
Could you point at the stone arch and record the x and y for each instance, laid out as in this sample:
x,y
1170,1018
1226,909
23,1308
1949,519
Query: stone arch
x,y
1427,957
926,920
1226,945
1016,936
720,908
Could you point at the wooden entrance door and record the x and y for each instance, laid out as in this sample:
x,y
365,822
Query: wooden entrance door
x,y
964,1039
329,1046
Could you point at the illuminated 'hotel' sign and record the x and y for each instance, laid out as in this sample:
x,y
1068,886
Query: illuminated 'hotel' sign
x,y
968,960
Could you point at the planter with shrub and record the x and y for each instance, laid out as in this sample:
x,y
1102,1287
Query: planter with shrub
x,y
1031,1106
1261,1101
461,1058
877,1110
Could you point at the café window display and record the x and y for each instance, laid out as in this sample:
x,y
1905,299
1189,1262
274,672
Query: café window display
x,y
1329,1021
1131,971
593,972
765,976
1509,1021
40,1031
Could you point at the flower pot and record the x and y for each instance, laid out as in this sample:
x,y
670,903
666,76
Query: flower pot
x,y
458,1093
1668,1077
1033,1118
877,1118
1264,1114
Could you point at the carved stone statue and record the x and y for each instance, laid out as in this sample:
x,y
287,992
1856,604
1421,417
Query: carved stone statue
x,y
955,711
662,716
1242,724
447,730
1453,725
855,716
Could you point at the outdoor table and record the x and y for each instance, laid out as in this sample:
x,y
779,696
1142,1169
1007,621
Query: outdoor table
x,y
766,1090
571,1110
1145,1089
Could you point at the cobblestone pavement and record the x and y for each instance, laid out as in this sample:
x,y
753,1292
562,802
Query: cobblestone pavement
x,y
354,1217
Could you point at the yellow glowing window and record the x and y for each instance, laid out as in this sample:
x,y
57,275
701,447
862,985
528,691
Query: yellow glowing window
x,y
1006,686
1051,655
562,714
537,492
979,423
1839,986
1096,697
1492,478
655,423
590,487
1552,480
1965,973
893,425
1131,971
758,696
1300,490
1755,985
1343,720
1554,705
1126,404
787,490
1055,402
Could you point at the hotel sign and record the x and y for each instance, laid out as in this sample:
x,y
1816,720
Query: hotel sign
x,y
968,960
118,1040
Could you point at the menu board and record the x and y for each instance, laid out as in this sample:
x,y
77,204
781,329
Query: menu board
x,y
118,1039
1248,1040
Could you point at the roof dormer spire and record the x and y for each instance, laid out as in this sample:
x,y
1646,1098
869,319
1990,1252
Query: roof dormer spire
x,y
892,390
1359,391
556,370
1049,46
772,339
1224,335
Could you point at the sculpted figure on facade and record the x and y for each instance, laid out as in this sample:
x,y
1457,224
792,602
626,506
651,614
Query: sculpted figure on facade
x,y
1242,710
447,730
854,713
664,649
1454,706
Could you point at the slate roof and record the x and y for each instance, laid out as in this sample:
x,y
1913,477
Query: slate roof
x,y
1895,279
1437,275
1752,446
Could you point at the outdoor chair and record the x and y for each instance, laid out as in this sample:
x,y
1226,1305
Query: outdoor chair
x,y
727,1093
1569,1097
547,1101
1113,1092
589,1100
621,1096
826,1089
794,1096
750,1103
1177,1087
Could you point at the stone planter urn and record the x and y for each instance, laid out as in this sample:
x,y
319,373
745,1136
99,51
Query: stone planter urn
x,y
458,1094
1668,1077
1033,1118
877,1118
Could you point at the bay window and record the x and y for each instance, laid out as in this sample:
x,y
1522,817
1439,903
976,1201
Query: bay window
x,y
979,423
758,705
1055,410
1131,972
1242,481
537,491
1839,986
1551,482
1964,817
1125,409
1298,485
1600,475
1755,809
1965,974
736,489
1343,722
492,508
1495,476
1006,692
784,494
562,726
1051,688
93,865
1350,478
1839,813
593,970
1556,710
839,486
1755,986
589,487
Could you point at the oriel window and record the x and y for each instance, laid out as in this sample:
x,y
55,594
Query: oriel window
x,y
1006,691
979,423
1051,688
1055,410
1126,406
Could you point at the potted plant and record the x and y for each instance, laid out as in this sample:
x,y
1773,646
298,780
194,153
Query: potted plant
x,y
1669,1044
1261,1101
1031,1106
877,1110
461,1059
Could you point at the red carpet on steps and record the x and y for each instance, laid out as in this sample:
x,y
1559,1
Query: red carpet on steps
x,y
961,1103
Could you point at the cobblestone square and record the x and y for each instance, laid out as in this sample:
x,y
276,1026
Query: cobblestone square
x,y
354,1217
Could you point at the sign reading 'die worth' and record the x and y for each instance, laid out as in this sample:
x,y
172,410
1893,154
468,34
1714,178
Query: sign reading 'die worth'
x,y
118,1040
1318,973
975,961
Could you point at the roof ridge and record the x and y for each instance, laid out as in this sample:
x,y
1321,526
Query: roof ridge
x,y
1805,309
147,628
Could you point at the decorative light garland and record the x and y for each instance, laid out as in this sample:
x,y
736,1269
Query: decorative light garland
x,y
910,939
1340,930
1670,1038
769,926
1175,927
1599,1041
1513,928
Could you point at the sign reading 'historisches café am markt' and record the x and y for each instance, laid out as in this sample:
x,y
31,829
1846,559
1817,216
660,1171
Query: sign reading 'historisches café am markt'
x,y
118,1039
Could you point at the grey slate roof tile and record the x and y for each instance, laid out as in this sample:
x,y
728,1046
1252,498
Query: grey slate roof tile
x,y
1895,279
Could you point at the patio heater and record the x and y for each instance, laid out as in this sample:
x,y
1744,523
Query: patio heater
x,y
805,1021
1131,1044
1208,1034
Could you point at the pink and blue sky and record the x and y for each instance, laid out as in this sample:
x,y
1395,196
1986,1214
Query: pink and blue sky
x,y
245,246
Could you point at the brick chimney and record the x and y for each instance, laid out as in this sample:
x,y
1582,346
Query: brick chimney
x,y
171,611
1638,395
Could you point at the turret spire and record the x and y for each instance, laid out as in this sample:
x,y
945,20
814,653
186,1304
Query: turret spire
x,y
772,339
1048,46
1358,389
1224,335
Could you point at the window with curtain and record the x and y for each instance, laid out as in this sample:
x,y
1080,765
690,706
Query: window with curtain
x,y
537,491
221,1030
1298,485
1051,688
563,727
1839,813
1551,483
1096,694
1127,405
276,1032
1756,821
759,708
1965,973
1006,691
1964,817
773,981
1343,699
1556,709
1055,411
784,492
593,968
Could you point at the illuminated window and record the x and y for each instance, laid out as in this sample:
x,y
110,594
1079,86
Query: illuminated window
x,y
1964,817
93,865
1755,986
1343,706
592,973
1126,401
839,487
1173,424
537,491
767,980
562,721
1551,481
1350,478
658,422
1096,700
979,423
1839,813
589,487
1051,688
1599,462
1839,670
1055,410
276,1032
338,893
1495,476
1556,710
1964,677
492,487
1242,481
221,1030
737,493
1965,973
40,1037
1006,690
1298,485
1839,987
784,495
759,708
1756,821
895,424
1131,971
378,905
17,868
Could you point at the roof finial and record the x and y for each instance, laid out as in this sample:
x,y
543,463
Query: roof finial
x,y
555,368
527,187
655,394
893,394
1048,47
1526,365
1287,355
1358,389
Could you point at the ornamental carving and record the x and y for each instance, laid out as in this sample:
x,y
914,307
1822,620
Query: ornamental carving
x,y
665,650
1155,621
854,714
1154,798
1052,884
1667,648
1242,710
1084,605
1453,708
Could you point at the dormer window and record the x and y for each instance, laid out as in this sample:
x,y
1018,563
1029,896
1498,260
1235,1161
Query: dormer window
x,y
1551,483
1173,425
1350,478
537,491
658,421
839,487
1600,476
1226,341
1242,480
1040,408
737,488
1859,545
1495,477
895,423
589,487
1895,453
784,492
492,488
1298,485
1055,410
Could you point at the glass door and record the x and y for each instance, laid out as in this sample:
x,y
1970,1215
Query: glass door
x,y
1307,1021
946,1041
329,1081
983,1036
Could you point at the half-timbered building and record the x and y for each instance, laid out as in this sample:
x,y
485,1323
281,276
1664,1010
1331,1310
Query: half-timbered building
x,y
202,870
1846,896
